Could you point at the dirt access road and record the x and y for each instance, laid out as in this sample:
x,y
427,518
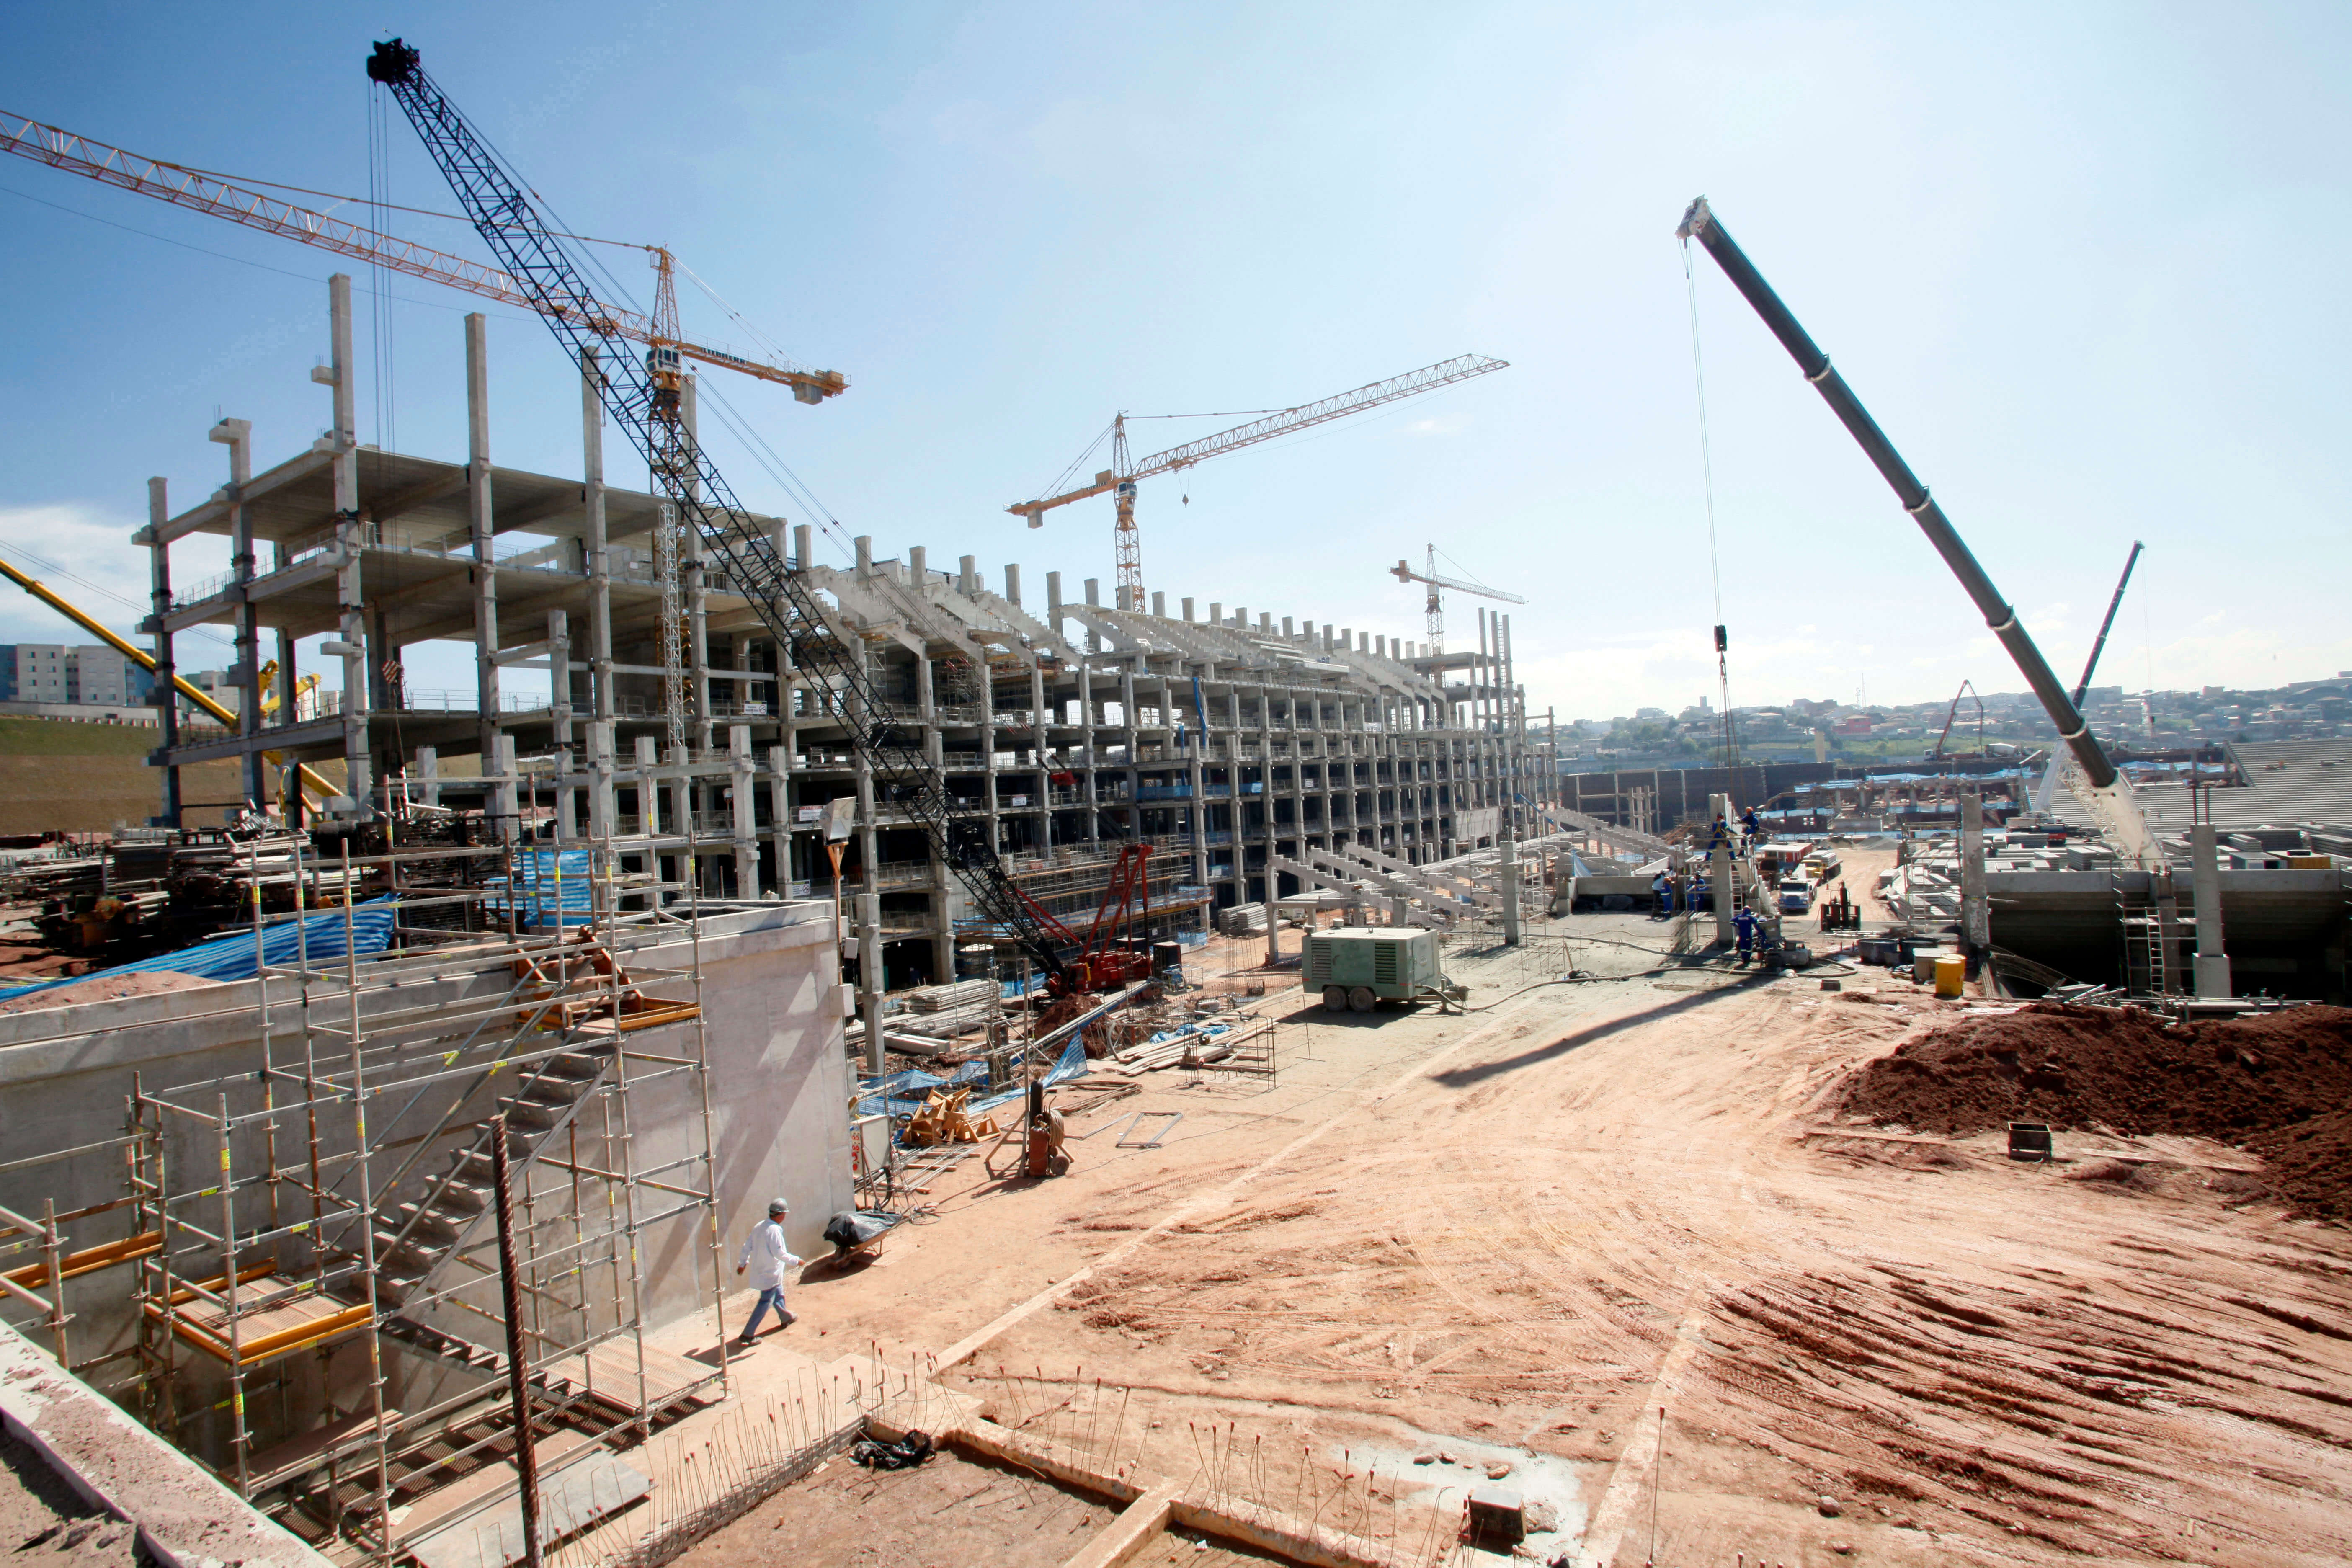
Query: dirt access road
x,y
1513,1237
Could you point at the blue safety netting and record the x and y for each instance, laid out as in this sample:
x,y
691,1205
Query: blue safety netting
x,y
549,887
230,955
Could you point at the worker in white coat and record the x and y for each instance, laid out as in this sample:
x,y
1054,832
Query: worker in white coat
x,y
765,1256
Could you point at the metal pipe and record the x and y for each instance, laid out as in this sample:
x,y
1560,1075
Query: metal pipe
x,y
518,1368
1700,223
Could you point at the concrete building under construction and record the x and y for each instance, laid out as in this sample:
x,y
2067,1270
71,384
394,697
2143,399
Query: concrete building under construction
x,y
1219,736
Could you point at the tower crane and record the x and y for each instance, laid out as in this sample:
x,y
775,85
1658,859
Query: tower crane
x,y
1122,474
203,193
642,398
1403,573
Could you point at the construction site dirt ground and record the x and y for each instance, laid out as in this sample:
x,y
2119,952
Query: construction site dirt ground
x,y
1600,1233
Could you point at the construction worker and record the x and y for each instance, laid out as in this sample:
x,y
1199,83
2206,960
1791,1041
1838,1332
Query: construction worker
x,y
1718,836
1743,925
1752,826
766,1256
1663,885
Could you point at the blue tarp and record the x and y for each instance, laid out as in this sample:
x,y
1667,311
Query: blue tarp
x,y
548,885
229,956
903,1093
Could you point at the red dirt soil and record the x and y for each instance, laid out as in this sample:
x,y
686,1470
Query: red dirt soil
x,y
2271,1084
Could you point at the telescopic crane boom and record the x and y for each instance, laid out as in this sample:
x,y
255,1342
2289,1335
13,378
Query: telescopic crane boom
x,y
642,396
1403,573
2042,791
2109,794
197,695
1122,474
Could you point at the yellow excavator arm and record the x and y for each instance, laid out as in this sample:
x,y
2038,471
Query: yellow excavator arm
x,y
146,661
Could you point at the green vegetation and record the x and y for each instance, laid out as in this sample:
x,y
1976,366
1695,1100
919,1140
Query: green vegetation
x,y
64,738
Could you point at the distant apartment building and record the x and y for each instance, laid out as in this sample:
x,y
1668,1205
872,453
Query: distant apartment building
x,y
89,676
45,672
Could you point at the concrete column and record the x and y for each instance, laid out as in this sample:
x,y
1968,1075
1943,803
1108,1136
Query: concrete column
x,y
599,547
650,807
1188,611
351,536
1053,602
743,819
869,920
780,814
1013,584
558,692
504,770
1200,814
237,435
1093,600
1037,721
967,582
1719,870
803,538
1134,740
166,695
696,584
428,769
600,766
1509,879
2212,964
989,792
1976,913
1090,719
478,513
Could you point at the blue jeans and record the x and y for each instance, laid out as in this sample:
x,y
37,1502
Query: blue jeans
x,y
773,1296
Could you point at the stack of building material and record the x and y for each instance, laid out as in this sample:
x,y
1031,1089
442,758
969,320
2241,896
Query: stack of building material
x,y
942,1011
1243,920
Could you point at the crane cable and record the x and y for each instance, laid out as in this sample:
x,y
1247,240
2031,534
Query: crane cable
x,y
1714,555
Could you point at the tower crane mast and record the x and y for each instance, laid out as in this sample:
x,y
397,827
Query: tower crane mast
x,y
1122,474
1403,573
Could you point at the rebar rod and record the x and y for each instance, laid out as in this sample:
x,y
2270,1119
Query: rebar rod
x,y
517,1364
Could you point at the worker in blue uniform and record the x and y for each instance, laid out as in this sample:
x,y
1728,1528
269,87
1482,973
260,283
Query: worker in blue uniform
x,y
1663,885
1751,825
1743,925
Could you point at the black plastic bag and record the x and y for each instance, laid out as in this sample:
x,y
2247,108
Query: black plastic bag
x,y
903,1454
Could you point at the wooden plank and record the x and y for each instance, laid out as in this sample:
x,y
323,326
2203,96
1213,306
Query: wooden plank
x,y
445,1501
89,1260
608,1374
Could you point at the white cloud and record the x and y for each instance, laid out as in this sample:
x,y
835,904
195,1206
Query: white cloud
x,y
1439,425
83,553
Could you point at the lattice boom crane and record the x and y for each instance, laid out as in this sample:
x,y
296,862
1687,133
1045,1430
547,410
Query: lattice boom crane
x,y
198,192
642,396
1122,474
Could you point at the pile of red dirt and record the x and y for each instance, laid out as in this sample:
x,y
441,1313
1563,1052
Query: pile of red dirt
x,y
2274,1084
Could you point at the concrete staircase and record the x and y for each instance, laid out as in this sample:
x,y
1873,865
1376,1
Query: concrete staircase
x,y
417,1235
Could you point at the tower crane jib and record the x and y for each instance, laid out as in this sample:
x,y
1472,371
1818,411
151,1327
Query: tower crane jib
x,y
1120,478
217,197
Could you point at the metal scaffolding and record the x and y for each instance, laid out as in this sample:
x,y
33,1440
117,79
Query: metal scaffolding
x,y
318,1279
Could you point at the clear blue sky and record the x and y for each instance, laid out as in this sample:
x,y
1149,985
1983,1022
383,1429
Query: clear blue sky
x,y
2084,263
